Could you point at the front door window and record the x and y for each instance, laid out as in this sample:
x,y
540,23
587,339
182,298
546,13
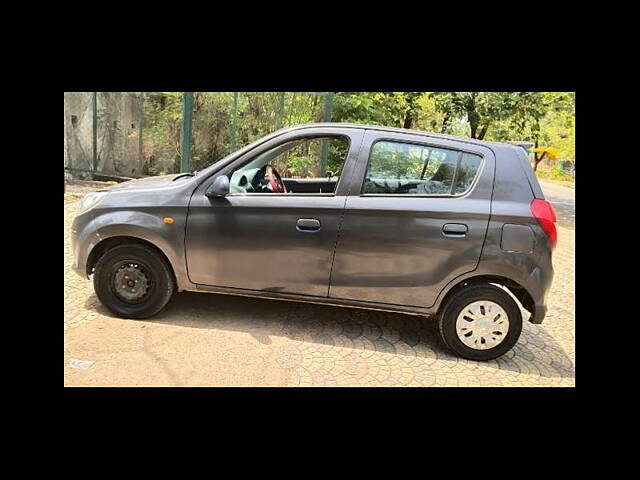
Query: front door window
x,y
308,165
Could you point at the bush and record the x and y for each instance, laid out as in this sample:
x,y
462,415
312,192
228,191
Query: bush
x,y
555,173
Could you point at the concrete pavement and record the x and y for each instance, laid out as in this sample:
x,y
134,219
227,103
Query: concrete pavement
x,y
563,200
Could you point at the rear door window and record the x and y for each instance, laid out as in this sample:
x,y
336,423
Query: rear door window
x,y
405,168
467,171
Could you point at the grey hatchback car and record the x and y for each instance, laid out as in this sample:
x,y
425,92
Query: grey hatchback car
x,y
349,215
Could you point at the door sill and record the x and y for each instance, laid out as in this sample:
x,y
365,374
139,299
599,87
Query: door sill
x,y
295,297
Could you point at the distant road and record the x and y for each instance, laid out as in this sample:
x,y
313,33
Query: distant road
x,y
563,200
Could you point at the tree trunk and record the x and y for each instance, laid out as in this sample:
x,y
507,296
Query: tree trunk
x,y
445,123
537,160
483,132
474,129
473,122
472,115
408,121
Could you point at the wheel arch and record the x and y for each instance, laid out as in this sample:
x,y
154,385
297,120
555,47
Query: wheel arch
x,y
108,243
516,289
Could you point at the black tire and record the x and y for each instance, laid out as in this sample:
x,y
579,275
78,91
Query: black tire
x,y
157,272
448,315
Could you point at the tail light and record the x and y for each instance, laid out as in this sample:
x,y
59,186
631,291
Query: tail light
x,y
546,216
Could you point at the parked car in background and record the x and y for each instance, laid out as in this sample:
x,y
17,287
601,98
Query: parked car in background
x,y
350,215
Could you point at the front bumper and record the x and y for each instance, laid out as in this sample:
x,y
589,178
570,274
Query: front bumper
x,y
80,270
79,259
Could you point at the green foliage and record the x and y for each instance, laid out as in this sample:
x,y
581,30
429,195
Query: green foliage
x,y
305,160
481,109
391,109
558,129
300,167
373,108
555,173
545,118
337,154
161,132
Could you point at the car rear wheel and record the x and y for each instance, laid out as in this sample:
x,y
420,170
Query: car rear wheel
x,y
480,322
133,281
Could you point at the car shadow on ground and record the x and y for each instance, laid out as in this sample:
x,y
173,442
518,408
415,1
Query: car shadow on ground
x,y
392,333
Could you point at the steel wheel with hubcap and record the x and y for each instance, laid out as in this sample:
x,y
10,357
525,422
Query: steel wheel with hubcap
x,y
482,325
480,322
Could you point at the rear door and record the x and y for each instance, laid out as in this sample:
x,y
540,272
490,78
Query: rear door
x,y
415,218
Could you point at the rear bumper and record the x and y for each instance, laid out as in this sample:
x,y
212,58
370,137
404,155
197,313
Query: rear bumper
x,y
538,314
538,285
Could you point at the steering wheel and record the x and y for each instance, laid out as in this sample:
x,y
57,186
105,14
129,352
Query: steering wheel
x,y
275,180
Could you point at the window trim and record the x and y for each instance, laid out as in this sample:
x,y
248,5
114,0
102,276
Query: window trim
x,y
293,194
460,152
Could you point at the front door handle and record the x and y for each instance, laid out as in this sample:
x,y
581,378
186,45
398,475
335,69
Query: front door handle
x,y
307,225
454,229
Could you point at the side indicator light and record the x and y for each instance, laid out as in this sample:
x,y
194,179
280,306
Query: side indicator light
x,y
167,220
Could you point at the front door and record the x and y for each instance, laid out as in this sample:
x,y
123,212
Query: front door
x,y
277,228
415,219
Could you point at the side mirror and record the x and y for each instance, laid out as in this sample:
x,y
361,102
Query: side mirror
x,y
219,187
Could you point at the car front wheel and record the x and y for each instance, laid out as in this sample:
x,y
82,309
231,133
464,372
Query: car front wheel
x,y
133,281
480,322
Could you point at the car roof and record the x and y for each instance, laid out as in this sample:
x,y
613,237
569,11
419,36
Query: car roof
x,y
398,130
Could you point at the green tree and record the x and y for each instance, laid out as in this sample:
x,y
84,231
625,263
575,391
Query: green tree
x,y
481,109
545,118
392,109
534,107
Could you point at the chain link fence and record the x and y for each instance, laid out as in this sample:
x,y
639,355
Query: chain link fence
x,y
134,134
78,131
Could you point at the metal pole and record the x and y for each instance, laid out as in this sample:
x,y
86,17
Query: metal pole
x,y
281,111
234,121
140,125
328,113
328,107
95,131
187,122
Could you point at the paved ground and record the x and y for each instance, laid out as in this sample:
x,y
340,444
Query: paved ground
x,y
564,201
207,339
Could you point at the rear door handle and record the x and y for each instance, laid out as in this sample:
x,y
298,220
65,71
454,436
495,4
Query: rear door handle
x,y
307,225
454,229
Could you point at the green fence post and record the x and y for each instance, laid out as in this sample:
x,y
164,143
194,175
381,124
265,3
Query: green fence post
x,y
187,123
95,131
326,117
281,110
234,121
140,126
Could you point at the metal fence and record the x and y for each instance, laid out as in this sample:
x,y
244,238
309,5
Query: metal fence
x,y
134,134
